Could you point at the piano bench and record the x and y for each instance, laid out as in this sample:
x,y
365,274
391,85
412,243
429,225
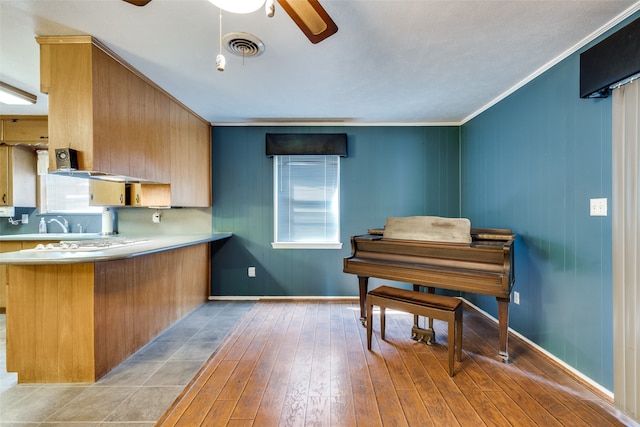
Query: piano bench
x,y
439,307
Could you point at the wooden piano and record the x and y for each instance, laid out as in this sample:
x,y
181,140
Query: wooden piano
x,y
483,266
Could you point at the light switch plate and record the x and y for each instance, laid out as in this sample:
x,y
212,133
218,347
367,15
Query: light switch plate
x,y
598,207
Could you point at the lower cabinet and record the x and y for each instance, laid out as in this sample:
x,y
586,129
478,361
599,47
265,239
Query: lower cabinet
x,y
76,322
6,247
10,246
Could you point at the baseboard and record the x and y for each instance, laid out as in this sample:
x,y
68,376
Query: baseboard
x,y
281,298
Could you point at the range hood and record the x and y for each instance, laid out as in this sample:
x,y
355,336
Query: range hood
x,y
102,176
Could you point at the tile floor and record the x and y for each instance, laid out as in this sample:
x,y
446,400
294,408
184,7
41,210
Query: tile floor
x,y
137,392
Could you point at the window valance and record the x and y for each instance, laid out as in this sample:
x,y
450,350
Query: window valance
x,y
290,144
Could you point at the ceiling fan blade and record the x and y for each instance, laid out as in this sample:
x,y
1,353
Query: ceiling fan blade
x,y
311,17
138,2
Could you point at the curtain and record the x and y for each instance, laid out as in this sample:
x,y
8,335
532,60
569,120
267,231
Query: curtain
x,y
625,247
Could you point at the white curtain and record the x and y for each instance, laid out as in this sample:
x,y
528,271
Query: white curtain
x,y
626,247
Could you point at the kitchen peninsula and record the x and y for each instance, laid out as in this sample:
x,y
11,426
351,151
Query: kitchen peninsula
x,y
73,315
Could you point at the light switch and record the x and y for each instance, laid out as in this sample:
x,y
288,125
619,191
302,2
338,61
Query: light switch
x,y
598,207
251,272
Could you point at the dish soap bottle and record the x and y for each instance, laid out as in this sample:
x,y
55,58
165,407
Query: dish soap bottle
x,y
42,227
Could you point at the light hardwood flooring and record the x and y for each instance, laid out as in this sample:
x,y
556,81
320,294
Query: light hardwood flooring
x,y
307,364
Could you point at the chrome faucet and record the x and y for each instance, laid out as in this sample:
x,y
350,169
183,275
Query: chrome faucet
x,y
65,226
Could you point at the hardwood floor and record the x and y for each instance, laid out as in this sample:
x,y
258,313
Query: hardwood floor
x,y
307,364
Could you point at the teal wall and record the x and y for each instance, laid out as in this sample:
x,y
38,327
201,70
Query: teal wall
x,y
531,163
390,171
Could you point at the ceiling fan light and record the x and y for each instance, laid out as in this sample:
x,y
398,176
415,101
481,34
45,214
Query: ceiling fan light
x,y
14,96
238,6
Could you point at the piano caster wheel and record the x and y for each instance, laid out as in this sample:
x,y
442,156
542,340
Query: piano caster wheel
x,y
414,337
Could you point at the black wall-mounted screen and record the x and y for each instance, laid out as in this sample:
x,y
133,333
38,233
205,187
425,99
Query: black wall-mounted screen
x,y
288,144
614,59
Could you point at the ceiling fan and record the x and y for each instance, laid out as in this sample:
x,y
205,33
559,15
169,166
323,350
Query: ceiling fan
x,y
309,15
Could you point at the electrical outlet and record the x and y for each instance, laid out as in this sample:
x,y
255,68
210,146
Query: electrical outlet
x,y
251,271
516,297
25,218
598,207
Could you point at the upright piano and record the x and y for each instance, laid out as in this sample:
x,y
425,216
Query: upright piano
x,y
483,266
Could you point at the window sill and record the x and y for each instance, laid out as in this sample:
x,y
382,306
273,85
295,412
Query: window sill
x,y
306,245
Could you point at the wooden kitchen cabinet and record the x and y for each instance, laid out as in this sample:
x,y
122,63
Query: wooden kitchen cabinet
x,y
122,123
6,247
17,176
150,195
31,130
10,246
107,193
76,322
189,166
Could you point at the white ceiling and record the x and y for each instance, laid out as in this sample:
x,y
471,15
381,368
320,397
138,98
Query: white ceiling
x,y
391,61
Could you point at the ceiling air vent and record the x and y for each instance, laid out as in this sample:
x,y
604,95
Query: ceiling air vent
x,y
243,44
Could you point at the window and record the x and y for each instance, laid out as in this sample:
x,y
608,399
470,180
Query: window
x,y
307,201
62,194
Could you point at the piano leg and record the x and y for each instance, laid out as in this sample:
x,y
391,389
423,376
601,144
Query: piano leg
x,y
363,284
503,325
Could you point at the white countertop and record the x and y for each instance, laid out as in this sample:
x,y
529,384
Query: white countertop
x,y
155,244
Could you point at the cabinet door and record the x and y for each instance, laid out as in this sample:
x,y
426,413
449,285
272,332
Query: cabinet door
x,y
106,193
4,176
150,194
32,131
6,247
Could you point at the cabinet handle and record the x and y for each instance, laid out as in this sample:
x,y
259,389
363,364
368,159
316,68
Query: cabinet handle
x,y
137,199
121,198
4,198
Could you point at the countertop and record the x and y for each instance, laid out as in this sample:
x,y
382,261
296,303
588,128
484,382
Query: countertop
x,y
54,237
153,245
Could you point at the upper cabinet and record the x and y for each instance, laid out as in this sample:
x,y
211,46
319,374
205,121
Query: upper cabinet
x,y
32,130
17,177
120,122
